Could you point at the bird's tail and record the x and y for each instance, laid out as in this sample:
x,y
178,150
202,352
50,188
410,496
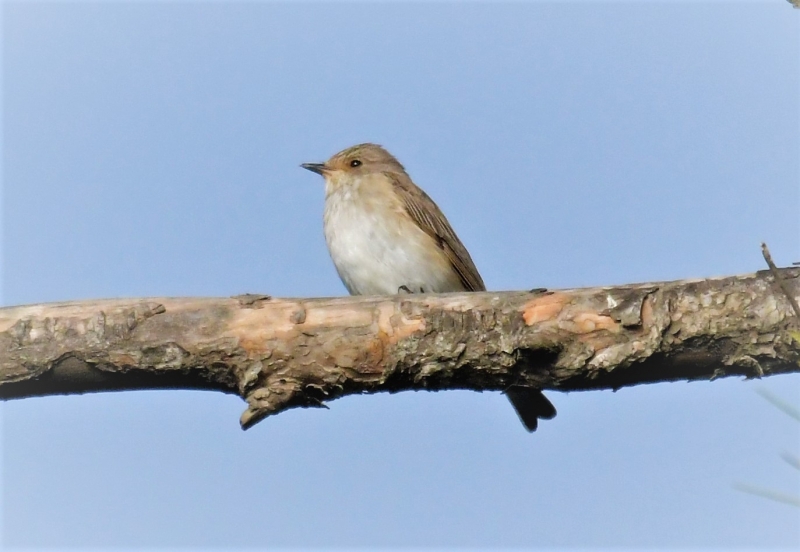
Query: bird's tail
x,y
531,405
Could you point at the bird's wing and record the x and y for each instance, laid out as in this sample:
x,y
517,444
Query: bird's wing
x,y
430,219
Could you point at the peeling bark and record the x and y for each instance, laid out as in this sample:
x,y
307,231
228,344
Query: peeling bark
x,y
283,353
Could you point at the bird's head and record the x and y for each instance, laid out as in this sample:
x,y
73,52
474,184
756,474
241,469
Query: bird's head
x,y
354,163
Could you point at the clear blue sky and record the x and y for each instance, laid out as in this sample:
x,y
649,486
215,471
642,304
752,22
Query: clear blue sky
x,y
152,149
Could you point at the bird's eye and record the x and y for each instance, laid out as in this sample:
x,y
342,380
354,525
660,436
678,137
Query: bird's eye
x,y
355,163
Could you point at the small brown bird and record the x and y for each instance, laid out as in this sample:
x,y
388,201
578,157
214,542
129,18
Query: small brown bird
x,y
387,236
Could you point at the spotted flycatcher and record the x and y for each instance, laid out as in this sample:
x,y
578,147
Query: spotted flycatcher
x,y
387,236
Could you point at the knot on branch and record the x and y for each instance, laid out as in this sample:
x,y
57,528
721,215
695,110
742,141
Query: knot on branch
x,y
278,395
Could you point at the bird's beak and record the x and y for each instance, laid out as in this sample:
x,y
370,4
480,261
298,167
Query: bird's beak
x,y
318,168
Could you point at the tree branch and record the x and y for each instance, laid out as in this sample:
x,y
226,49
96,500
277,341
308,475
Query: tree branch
x,y
283,353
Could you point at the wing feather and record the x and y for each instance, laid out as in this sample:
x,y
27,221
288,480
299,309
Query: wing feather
x,y
432,221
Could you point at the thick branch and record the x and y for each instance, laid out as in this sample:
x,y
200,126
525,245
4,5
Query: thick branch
x,y
283,353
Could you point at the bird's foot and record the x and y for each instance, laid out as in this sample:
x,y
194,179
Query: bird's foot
x,y
404,289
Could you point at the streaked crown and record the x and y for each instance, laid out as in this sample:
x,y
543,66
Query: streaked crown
x,y
364,158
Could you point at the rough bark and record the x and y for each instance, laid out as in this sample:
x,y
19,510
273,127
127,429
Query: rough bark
x,y
283,353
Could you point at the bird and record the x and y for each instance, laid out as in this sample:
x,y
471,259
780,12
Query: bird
x,y
386,236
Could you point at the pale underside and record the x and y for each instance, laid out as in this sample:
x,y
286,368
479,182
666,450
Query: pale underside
x,y
378,249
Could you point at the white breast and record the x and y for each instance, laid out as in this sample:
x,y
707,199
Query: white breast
x,y
376,251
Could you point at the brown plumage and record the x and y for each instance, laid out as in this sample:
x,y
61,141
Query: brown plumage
x,y
429,217
385,234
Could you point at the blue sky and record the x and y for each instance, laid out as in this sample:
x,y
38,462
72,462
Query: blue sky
x,y
152,149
